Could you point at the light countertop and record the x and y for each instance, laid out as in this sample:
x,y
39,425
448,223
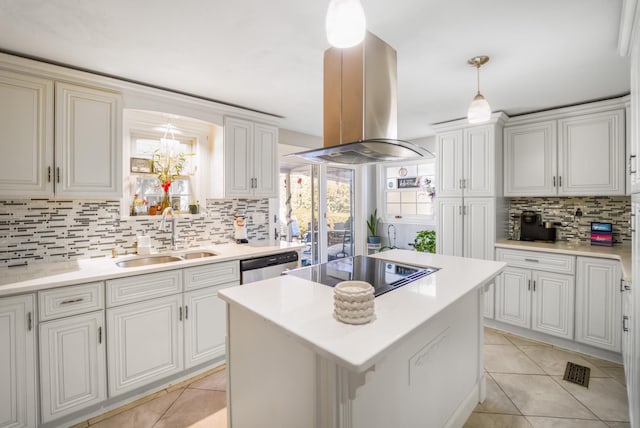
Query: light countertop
x,y
617,252
21,279
304,309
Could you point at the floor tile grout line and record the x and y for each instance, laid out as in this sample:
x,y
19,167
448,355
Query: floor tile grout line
x,y
577,399
169,407
505,394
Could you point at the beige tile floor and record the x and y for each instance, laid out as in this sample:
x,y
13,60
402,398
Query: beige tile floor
x,y
524,389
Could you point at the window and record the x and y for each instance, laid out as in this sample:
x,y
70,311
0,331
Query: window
x,y
407,192
147,185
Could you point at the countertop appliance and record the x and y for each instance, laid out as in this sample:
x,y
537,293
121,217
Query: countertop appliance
x,y
259,268
384,275
533,229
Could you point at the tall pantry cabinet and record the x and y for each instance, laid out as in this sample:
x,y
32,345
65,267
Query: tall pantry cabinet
x,y
471,214
629,45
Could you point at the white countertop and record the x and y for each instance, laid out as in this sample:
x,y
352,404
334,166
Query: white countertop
x,y
304,309
617,252
21,279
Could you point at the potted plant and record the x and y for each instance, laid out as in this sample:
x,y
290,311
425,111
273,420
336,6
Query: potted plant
x,y
425,241
372,225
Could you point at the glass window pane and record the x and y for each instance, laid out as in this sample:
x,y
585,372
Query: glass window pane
x,y
394,209
393,197
425,209
408,197
409,209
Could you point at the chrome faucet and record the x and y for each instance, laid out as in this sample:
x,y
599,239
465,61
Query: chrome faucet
x,y
163,226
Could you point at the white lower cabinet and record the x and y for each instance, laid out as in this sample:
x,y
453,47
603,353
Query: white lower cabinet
x,y
205,325
17,362
598,303
73,368
145,342
489,299
535,299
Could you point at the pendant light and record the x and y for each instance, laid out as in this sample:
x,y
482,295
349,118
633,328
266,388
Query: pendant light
x,y
479,110
345,23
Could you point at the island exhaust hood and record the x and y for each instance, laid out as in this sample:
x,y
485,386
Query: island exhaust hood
x,y
360,107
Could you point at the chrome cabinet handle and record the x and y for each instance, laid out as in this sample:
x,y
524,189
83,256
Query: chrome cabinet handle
x,y
632,171
48,174
534,285
29,321
180,314
58,174
186,312
531,260
625,326
100,334
529,285
68,302
554,181
559,181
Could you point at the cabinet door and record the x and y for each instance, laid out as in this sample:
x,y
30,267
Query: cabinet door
x,y
479,167
238,157
26,121
513,297
449,236
479,225
265,163
205,325
634,126
18,368
449,171
145,343
591,154
552,305
530,160
73,371
598,303
88,142
489,299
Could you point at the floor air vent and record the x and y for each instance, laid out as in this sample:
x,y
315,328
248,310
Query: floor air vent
x,y
577,374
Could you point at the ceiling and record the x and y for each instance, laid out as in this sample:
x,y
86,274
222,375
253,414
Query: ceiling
x,y
267,55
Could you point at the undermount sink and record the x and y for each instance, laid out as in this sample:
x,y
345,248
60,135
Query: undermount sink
x,y
147,260
198,255
164,258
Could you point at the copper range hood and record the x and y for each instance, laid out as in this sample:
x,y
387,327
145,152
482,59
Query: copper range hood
x,y
360,107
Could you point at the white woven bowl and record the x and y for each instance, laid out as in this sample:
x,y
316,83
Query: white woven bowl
x,y
353,302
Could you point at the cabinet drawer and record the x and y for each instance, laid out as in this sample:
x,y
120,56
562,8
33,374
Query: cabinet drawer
x,y
549,262
73,300
143,287
213,274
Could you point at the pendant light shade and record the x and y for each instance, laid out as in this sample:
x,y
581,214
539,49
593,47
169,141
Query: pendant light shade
x,y
345,23
479,110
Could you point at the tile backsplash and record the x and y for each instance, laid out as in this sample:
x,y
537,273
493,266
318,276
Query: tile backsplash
x,y
49,230
607,209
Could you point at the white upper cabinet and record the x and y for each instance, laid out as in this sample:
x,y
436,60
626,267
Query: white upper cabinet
x,y
250,159
591,154
26,121
530,159
571,155
467,161
88,142
85,157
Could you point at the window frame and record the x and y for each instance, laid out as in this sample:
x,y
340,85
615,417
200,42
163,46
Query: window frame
x,y
385,217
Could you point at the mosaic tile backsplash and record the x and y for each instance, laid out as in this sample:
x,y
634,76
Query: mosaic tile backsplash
x,y
48,230
607,209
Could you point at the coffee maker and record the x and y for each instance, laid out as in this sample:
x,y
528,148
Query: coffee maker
x,y
532,228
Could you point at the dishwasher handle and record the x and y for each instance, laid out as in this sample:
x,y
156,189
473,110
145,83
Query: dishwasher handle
x,y
266,261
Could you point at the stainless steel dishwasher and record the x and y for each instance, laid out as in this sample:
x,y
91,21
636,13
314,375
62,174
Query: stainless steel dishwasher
x,y
260,268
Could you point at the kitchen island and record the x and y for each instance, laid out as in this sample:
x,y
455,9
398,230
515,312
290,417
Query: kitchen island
x,y
417,364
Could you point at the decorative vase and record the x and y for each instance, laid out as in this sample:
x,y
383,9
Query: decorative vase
x,y
166,201
373,239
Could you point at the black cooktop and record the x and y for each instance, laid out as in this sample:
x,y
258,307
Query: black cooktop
x,y
384,275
